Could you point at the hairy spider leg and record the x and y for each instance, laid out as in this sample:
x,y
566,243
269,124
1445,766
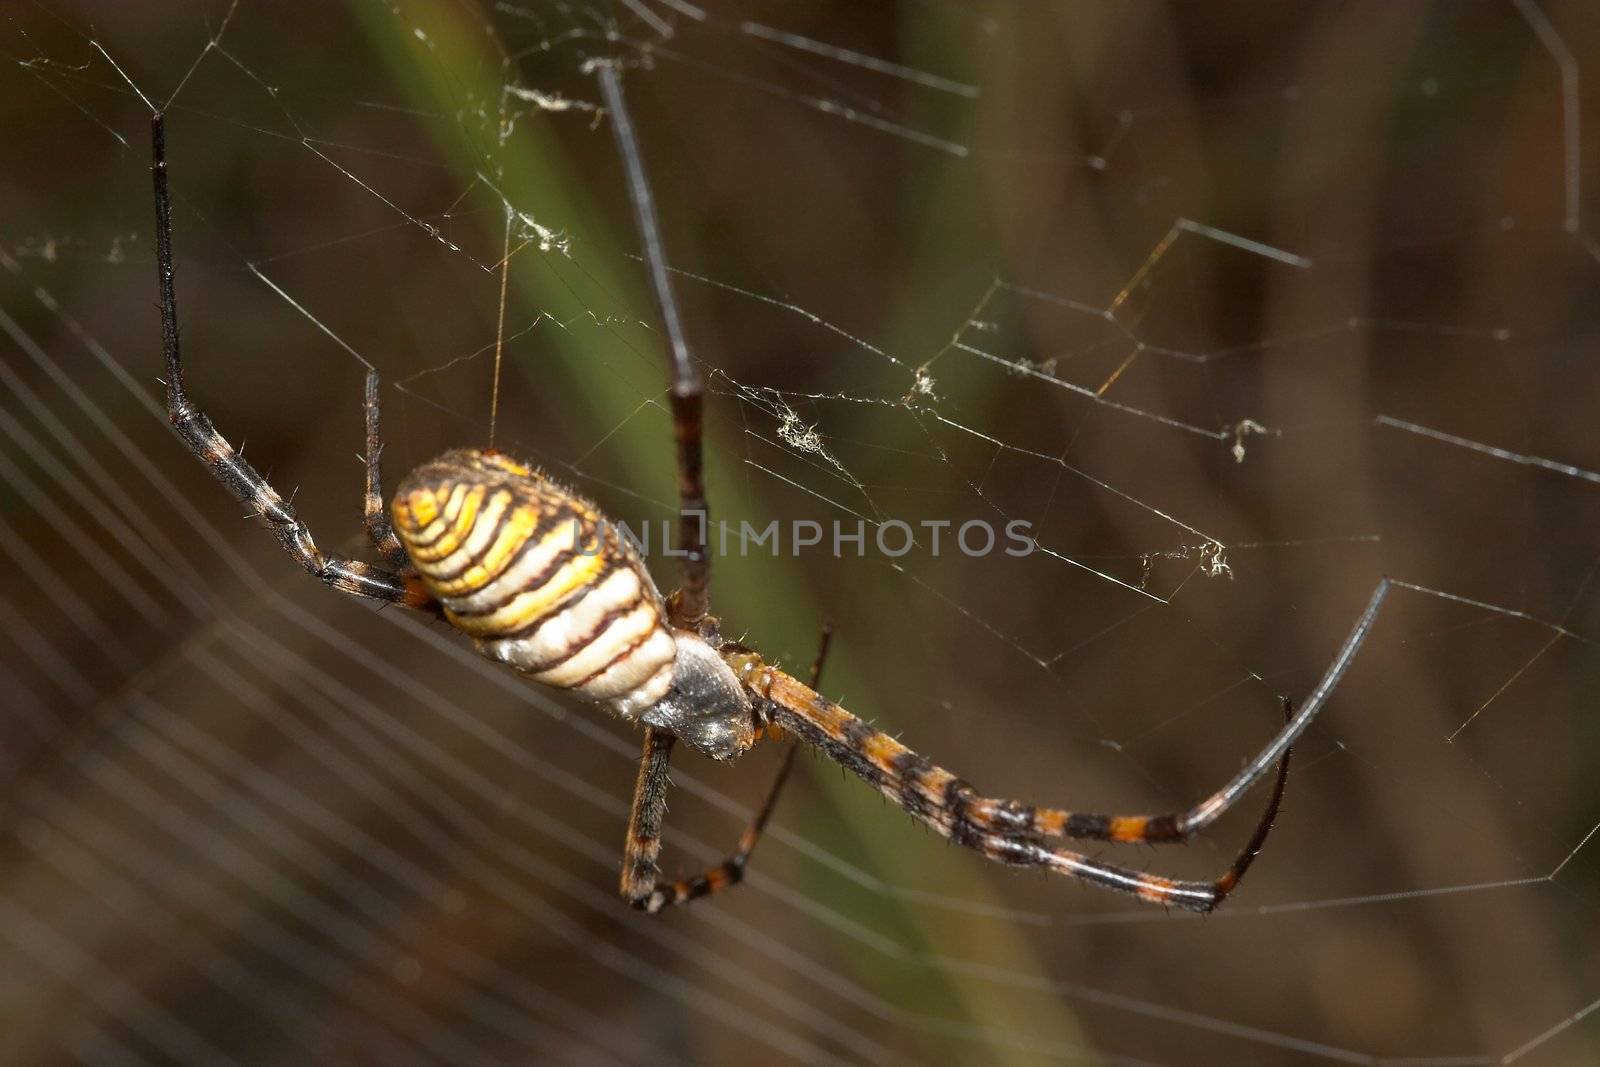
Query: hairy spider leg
x,y
642,885
1015,833
379,529
228,467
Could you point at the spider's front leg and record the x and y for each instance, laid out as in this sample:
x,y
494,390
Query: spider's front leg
x,y
1003,830
1019,834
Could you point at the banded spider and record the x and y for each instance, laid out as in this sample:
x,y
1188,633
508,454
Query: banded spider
x,y
498,550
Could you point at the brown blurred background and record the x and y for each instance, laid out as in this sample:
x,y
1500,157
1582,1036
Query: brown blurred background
x,y
1177,285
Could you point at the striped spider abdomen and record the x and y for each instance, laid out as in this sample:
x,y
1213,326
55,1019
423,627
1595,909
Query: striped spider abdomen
x,y
537,577
543,583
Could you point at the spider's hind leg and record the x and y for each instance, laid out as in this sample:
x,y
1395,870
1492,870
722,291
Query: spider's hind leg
x,y
379,529
221,459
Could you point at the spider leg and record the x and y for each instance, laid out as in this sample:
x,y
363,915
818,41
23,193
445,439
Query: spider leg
x,y
1191,895
641,877
640,872
1016,833
1020,849
952,807
379,530
250,488
1180,826
690,603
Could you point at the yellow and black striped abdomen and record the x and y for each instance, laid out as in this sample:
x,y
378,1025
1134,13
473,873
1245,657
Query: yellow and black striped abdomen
x,y
537,577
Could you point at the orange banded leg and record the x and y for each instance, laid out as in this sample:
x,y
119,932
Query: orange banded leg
x,y
1023,850
1016,833
1010,817
641,877
1003,830
640,872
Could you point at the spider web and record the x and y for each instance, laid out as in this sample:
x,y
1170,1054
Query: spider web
x,y
1239,311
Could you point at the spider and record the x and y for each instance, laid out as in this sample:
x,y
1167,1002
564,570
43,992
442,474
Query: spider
x,y
532,573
